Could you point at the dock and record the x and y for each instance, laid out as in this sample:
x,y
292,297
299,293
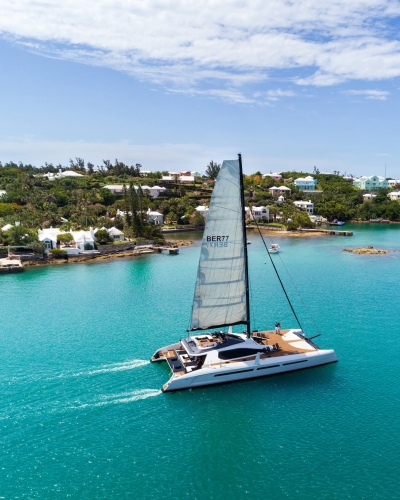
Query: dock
x,y
328,231
10,265
170,250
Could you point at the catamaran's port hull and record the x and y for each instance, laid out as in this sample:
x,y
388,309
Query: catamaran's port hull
x,y
244,371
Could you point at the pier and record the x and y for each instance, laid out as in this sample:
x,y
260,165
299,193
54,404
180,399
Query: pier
x,y
170,250
328,231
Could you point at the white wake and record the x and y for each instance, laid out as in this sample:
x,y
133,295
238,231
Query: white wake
x,y
114,367
124,397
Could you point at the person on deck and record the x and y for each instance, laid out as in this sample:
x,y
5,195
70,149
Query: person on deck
x,y
277,328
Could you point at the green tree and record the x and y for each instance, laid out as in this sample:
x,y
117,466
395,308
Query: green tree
x,y
212,170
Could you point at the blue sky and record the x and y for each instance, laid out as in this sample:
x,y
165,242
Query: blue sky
x,y
172,85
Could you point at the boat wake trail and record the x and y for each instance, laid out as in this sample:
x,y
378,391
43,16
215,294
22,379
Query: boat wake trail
x,y
114,367
124,397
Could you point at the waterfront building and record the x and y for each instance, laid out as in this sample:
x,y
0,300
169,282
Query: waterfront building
x,y
277,191
308,206
368,197
370,183
81,238
394,195
155,218
306,183
260,213
116,234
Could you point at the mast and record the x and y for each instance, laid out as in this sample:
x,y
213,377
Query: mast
x,y
246,265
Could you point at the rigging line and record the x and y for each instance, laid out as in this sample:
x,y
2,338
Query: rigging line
x,y
279,278
294,285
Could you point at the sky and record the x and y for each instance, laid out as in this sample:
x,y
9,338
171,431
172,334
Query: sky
x,y
174,84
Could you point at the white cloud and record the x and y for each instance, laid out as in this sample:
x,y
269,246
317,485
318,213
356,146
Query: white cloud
x,y
380,95
196,46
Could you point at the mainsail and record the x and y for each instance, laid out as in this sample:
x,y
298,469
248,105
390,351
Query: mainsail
x,y
220,294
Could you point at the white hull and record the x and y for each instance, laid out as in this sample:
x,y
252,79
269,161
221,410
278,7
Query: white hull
x,y
215,373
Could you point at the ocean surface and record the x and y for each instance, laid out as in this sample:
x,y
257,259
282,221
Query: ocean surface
x,y
82,414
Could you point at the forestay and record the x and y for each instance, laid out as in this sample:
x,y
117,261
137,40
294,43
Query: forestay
x,y
220,294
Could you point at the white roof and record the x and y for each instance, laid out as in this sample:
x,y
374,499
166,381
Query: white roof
x,y
2,192
396,193
308,178
167,178
114,186
186,178
369,195
114,232
259,208
201,208
150,212
281,188
7,227
70,173
49,233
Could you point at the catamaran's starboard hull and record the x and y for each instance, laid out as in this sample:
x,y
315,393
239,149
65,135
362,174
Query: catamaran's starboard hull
x,y
213,375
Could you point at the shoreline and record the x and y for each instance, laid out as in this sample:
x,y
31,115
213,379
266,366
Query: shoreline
x,y
104,257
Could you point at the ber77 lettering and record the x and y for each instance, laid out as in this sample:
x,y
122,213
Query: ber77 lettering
x,y
217,241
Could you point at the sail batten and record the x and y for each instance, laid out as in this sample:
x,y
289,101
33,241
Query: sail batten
x,y
220,294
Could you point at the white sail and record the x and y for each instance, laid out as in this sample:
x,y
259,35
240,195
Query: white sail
x,y
220,294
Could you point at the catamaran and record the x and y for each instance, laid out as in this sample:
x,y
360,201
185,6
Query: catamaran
x,y
211,353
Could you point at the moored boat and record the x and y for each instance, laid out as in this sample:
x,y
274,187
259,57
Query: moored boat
x,y
274,248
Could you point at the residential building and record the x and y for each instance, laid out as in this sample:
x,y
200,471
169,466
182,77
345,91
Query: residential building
x,y
6,227
116,234
168,179
81,238
260,213
306,183
202,210
391,183
394,195
368,197
186,179
277,177
195,173
308,206
145,173
154,191
277,191
155,218
2,192
185,172
371,183
62,175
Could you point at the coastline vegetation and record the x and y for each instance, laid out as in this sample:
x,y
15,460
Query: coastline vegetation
x,y
74,203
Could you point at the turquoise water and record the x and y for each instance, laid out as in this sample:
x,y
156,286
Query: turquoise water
x,y
82,415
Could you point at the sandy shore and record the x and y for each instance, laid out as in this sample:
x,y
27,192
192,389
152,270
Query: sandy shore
x,y
292,234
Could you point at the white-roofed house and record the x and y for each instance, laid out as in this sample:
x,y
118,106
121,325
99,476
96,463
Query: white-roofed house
x,y
203,210
155,218
391,183
7,227
168,179
308,206
115,233
277,177
277,191
186,179
394,195
49,237
306,183
62,174
368,197
154,191
2,192
83,238
260,213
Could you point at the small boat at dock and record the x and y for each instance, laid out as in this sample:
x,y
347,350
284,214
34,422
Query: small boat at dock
x,y
336,222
